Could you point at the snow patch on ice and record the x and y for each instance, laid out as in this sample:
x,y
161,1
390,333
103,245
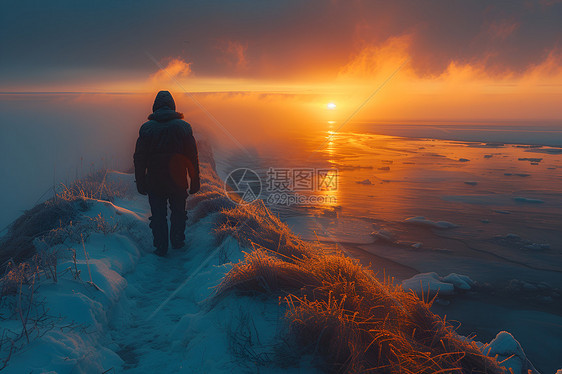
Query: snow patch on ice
x,y
461,282
432,284
422,221
384,235
527,200
514,240
509,352
502,211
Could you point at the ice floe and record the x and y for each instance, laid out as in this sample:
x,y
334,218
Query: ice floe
x,y
365,181
520,199
509,353
432,284
384,235
422,221
514,240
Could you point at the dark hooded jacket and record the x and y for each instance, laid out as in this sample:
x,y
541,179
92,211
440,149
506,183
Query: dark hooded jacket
x,y
166,151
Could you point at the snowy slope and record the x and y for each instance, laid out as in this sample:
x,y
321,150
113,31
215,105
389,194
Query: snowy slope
x,y
132,311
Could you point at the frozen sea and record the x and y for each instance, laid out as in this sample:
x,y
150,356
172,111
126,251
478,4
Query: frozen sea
x,y
404,205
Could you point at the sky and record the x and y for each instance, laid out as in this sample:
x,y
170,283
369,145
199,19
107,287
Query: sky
x,y
457,59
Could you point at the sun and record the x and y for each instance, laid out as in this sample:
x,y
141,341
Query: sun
x,y
331,106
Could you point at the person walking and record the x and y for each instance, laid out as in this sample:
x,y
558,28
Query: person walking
x,y
165,154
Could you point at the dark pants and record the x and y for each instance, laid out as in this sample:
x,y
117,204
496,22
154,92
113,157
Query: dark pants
x,y
159,221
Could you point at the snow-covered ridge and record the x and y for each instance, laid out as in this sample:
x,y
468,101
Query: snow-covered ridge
x,y
115,307
112,306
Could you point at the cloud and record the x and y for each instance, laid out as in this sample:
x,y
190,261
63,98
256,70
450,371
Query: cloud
x,y
176,68
502,29
291,41
235,54
376,60
467,89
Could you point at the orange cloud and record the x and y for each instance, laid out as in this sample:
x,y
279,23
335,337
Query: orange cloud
x,y
377,60
176,68
464,89
502,29
235,54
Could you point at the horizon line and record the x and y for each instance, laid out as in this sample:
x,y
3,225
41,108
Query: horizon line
x,y
282,92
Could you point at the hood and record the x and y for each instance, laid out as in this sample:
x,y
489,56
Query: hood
x,y
162,100
164,108
165,115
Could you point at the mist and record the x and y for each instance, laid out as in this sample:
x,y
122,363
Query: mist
x,y
54,138
48,139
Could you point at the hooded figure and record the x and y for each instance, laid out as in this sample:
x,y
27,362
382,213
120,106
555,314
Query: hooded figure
x,y
165,154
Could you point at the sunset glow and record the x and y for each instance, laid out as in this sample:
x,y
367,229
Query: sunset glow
x,y
367,42
281,186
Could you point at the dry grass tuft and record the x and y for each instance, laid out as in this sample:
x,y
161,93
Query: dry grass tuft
x,y
211,198
254,225
208,203
337,309
17,245
93,186
53,218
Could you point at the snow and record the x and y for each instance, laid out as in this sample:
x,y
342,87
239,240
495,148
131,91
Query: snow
x,y
509,353
461,282
432,284
537,246
64,352
502,211
384,235
422,221
520,199
133,311
515,240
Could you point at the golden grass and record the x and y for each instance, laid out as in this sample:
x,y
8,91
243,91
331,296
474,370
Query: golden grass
x,y
337,309
93,186
254,224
